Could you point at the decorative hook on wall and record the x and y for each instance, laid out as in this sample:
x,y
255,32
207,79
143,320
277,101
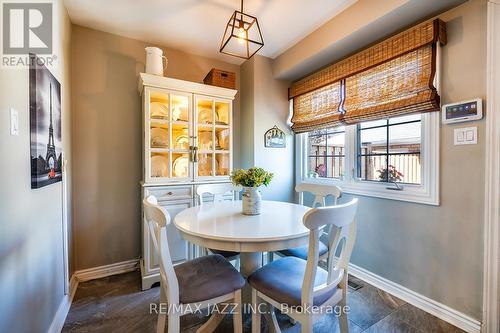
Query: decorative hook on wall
x,y
275,138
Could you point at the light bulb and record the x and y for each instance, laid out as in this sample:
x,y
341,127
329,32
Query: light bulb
x,y
241,35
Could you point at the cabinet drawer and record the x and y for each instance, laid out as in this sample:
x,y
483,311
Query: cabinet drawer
x,y
168,193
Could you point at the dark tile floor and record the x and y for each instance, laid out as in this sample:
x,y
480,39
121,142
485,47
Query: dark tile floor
x,y
117,304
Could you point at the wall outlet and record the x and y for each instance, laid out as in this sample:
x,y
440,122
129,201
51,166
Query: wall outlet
x,y
14,122
465,136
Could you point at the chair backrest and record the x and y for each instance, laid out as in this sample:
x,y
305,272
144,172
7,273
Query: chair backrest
x,y
320,193
343,217
157,220
215,193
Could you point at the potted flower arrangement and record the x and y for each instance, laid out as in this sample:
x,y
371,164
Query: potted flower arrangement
x,y
393,173
251,180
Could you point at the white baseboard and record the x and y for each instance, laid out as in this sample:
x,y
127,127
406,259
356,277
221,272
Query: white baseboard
x,y
107,270
424,303
62,311
86,275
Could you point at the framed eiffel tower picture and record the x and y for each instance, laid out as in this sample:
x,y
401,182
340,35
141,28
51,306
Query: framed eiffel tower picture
x,y
45,125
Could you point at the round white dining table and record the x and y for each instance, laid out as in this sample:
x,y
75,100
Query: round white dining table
x,y
222,226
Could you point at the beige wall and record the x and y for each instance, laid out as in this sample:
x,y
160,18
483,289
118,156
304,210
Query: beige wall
x,y
438,251
107,140
31,230
308,51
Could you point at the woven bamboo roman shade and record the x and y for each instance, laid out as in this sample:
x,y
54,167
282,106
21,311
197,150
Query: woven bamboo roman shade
x,y
391,78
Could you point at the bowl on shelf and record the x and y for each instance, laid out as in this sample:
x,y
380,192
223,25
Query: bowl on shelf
x,y
158,110
159,137
205,116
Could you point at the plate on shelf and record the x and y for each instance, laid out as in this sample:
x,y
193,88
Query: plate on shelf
x,y
158,110
180,168
205,116
159,137
181,142
159,166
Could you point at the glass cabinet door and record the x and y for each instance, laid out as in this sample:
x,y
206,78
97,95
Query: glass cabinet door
x,y
168,136
213,137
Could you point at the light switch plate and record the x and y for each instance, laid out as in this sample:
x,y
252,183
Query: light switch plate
x,y
465,136
14,122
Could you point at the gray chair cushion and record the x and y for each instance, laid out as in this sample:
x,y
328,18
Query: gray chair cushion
x,y
282,281
225,254
206,278
301,252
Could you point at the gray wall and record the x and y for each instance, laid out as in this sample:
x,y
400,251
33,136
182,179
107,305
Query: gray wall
x,y
107,140
438,251
264,105
31,234
247,115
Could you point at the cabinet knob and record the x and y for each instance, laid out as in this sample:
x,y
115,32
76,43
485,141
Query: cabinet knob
x,y
170,193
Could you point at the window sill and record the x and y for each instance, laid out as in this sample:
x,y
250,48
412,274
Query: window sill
x,y
411,193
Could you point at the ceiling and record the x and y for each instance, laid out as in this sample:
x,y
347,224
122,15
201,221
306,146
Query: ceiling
x,y
405,14
196,26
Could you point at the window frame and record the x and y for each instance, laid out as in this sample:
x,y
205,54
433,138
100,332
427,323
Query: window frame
x,y
426,193
387,127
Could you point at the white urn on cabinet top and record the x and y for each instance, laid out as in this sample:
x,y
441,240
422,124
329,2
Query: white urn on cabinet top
x,y
154,61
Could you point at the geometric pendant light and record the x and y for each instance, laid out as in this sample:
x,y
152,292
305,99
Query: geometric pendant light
x,y
242,37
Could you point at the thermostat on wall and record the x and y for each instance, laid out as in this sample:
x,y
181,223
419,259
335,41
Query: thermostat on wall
x,y
462,111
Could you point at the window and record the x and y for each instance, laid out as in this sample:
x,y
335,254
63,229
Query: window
x,y
389,150
367,158
326,149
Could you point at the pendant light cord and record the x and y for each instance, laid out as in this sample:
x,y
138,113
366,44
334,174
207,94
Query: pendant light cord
x,y
241,19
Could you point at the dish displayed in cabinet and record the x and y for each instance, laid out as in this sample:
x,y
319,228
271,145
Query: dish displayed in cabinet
x,y
159,166
221,118
222,137
179,114
205,165
159,137
180,167
158,110
222,164
205,140
205,116
181,142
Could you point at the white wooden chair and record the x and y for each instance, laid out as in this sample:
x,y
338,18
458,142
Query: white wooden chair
x,y
211,193
320,192
192,285
294,283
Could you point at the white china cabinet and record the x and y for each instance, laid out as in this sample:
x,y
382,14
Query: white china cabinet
x,y
187,141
